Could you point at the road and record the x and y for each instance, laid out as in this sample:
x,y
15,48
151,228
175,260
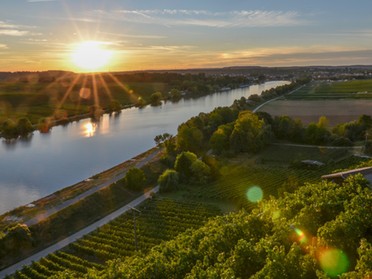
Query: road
x,y
59,245
272,100
50,211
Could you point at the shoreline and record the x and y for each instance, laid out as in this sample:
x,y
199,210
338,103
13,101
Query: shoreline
x,y
30,211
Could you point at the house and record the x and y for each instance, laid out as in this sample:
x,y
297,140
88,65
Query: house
x,y
339,177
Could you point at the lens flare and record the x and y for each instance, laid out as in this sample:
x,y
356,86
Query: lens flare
x,y
301,236
333,262
255,194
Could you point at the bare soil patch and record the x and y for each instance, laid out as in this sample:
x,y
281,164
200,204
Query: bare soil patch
x,y
337,111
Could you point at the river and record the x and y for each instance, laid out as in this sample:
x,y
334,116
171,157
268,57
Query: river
x,y
31,169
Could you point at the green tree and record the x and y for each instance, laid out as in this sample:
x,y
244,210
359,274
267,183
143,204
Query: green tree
x,y
248,134
168,141
200,172
9,129
189,138
316,135
323,122
175,95
24,126
155,98
135,179
115,106
183,164
168,181
220,140
140,102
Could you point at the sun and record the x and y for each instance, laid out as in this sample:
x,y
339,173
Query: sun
x,y
91,55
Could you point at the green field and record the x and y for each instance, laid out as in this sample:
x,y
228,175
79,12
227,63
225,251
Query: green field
x,y
334,90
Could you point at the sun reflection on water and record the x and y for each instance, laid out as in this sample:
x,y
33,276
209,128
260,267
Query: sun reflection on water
x,y
89,129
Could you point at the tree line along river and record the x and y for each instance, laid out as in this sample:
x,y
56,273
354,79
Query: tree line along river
x,y
46,163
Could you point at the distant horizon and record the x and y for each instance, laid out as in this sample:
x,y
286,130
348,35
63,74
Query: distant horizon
x,y
111,36
195,69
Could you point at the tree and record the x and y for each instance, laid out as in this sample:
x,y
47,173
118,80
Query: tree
x,y
114,106
44,125
220,140
140,102
9,129
248,134
155,98
200,172
135,179
189,138
183,165
175,95
24,126
168,141
168,181
323,122
316,135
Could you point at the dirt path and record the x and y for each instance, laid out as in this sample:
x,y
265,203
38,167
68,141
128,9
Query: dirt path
x,y
63,243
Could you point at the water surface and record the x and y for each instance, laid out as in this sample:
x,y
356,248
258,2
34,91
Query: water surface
x,y
68,154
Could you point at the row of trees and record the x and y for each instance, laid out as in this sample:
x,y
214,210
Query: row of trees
x,y
11,129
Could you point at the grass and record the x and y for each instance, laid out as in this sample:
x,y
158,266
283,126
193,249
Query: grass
x,y
356,89
286,155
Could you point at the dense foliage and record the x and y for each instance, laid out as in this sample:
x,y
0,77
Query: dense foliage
x,y
322,230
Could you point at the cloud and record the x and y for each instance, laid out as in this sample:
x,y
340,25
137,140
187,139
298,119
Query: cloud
x,y
291,56
3,46
229,19
13,32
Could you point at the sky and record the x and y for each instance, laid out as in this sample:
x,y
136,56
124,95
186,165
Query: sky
x,y
37,35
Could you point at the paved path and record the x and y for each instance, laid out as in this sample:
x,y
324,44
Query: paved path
x,y
12,269
116,177
272,100
356,147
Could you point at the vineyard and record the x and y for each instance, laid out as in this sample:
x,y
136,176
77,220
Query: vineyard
x,y
236,179
163,218
132,233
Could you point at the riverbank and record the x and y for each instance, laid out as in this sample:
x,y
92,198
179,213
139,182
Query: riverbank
x,y
40,209
80,149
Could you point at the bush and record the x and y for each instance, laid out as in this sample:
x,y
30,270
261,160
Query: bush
x,y
168,181
135,179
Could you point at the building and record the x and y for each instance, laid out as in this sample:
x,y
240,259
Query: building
x,y
339,177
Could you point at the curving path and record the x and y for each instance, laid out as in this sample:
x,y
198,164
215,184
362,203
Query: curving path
x,y
276,98
59,245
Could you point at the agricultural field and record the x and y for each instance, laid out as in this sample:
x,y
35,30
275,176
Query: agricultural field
x,y
165,216
132,233
339,101
355,89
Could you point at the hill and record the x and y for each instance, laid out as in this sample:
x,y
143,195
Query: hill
x,y
321,230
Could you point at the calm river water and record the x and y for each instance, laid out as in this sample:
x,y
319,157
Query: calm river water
x,y
32,169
